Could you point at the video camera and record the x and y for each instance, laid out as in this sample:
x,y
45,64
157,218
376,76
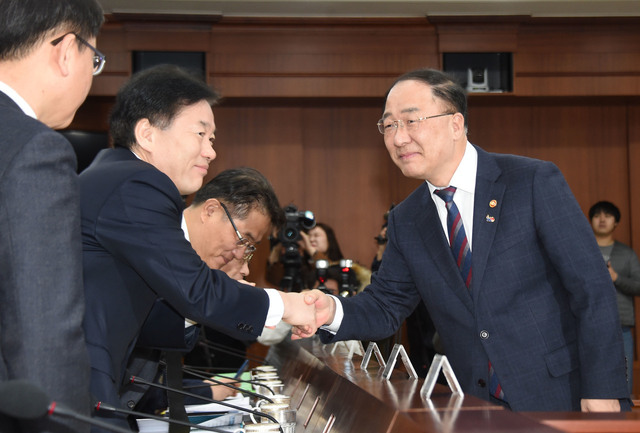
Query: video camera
x,y
296,221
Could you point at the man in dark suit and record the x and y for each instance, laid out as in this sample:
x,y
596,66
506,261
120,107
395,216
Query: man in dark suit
x,y
46,64
514,282
134,250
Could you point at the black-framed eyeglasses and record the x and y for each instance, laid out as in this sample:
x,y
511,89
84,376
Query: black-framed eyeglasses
x,y
99,59
388,126
243,242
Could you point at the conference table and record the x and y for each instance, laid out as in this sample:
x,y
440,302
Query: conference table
x,y
333,393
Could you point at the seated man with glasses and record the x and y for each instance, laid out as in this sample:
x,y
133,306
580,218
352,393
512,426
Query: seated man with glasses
x,y
224,236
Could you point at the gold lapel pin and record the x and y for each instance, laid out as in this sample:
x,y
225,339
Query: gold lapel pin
x,y
493,203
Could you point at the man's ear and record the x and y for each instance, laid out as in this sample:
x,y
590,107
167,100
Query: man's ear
x,y
458,125
145,134
63,53
209,208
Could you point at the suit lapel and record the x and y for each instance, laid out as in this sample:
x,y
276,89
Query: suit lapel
x,y
486,210
429,229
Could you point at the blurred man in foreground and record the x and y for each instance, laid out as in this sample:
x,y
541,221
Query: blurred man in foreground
x,y
47,62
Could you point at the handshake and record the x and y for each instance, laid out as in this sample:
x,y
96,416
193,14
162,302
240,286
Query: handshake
x,y
307,311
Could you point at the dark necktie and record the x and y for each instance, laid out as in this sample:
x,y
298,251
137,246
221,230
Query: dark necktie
x,y
457,236
462,255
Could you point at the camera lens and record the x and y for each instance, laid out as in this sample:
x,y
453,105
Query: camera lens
x,y
307,219
290,233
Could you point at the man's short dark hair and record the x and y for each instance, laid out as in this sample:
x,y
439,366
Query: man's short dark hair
x,y
605,207
443,86
157,94
25,23
243,190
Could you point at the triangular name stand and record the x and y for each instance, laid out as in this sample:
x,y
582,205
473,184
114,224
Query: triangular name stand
x,y
440,362
372,348
353,346
398,349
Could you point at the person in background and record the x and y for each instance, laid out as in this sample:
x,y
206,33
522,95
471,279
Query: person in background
x,y
134,250
624,268
500,253
320,243
324,247
47,62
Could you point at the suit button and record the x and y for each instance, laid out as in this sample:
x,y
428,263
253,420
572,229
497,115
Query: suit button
x,y
131,404
482,383
240,326
484,334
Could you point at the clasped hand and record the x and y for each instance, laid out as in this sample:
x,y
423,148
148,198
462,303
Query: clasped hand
x,y
307,311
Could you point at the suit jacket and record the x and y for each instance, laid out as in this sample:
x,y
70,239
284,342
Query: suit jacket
x,y
41,297
541,305
625,262
134,253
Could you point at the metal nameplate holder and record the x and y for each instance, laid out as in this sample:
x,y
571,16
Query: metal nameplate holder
x,y
440,362
372,348
398,349
353,346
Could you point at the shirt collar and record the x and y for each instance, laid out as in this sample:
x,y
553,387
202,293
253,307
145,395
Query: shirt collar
x,y
464,178
184,227
19,100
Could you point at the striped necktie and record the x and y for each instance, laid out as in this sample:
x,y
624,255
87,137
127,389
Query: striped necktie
x,y
462,255
457,235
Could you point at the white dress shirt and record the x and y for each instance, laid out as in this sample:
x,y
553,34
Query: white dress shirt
x,y
15,97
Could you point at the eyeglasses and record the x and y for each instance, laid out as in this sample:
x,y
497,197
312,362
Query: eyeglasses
x,y
243,242
99,59
388,126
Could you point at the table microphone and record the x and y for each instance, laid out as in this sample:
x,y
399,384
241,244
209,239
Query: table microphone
x,y
138,380
22,399
227,384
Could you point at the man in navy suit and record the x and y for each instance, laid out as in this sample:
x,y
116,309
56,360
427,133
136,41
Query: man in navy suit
x,y
134,250
533,324
47,62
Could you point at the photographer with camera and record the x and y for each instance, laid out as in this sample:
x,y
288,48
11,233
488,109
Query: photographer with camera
x,y
286,266
294,264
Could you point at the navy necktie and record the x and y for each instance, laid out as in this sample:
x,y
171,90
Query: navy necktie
x,y
462,255
457,235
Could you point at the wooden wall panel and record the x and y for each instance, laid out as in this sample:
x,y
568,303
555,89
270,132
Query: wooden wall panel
x,y
351,58
579,58
633,167
477,37
587,141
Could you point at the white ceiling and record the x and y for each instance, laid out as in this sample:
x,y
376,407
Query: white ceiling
x,y
377,8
